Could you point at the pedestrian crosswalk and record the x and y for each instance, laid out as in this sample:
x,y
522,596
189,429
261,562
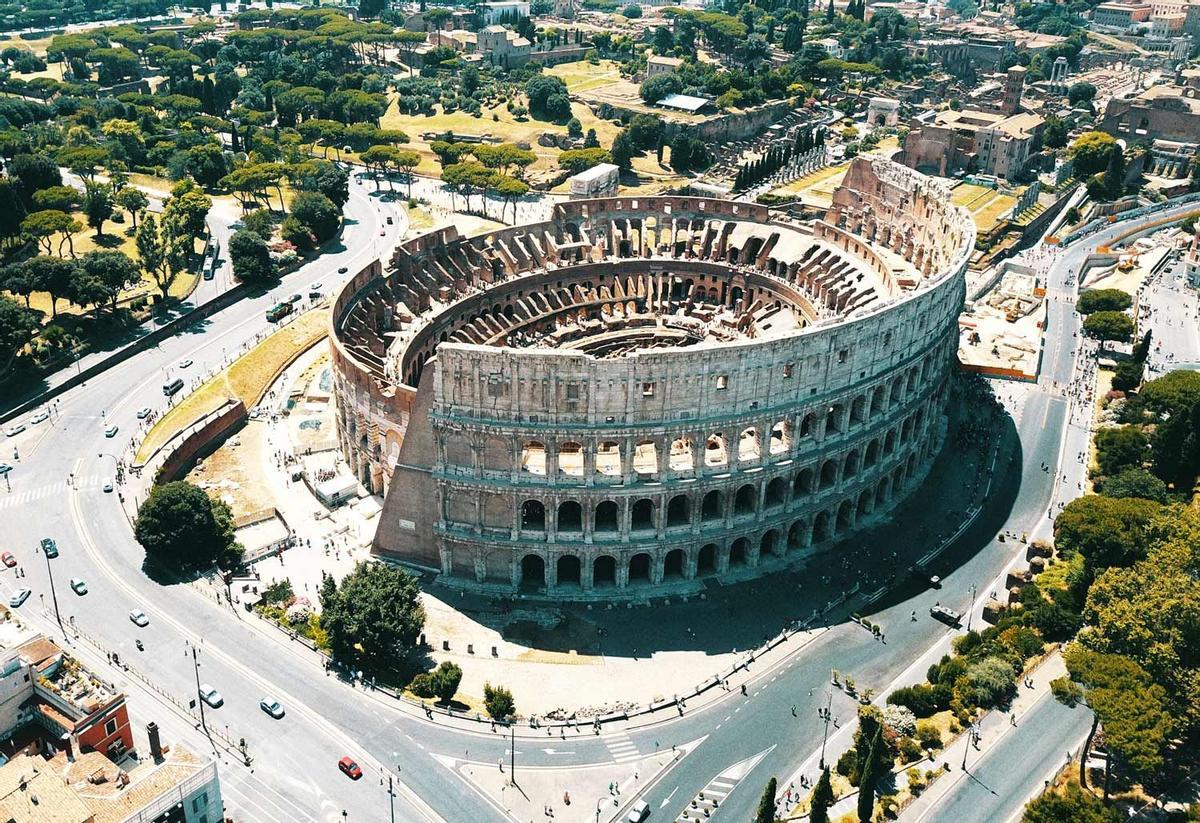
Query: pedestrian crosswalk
x,y
621,747
20,496
708,800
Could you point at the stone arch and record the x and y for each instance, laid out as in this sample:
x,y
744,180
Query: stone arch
x,y
533,457
808,425
682,457
776,494
679,510
711,508
608,517
570,516
706,559
829,474
889,442
803,484
497,454
770,543
674,564
822,527
858,409
834,418
639,568
716,452
645,457
795,538
866,502
746,500
604,571
608,458
533,516
738,551
781,437
882,490
641,515
570,459
569,570
897,393
845,516
877,400
872,455
850,466
533,572
749,446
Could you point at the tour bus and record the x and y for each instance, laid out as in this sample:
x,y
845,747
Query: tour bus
x,y
279,311
172,387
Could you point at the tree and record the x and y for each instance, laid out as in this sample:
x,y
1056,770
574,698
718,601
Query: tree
x,y
1135,482
498,701
180,526
1055,131
875,766
18,325
318,213
133,201
632,11
1176,447
97,205
1120,447
408,162
43,226
188,208
548,97
822,798
444,680
59,198
1091,152
1174,392
374,617
660,86
325,178
1094,300
207,164
1114,175
33,173
251,258
1128,375
1109,326
108,273
152,254
1072,805
766,803
987,682
623,150
1106,531
52,275
509,189
577,160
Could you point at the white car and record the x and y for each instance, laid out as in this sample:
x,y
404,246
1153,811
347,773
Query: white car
x,y
108,486
44,414
19,597
79,586
186,363
111,431
144,412
272,707
639,812
13,431
211,696
139,618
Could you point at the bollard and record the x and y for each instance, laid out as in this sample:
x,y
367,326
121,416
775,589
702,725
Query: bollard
x,y
494,652
470,648
445,645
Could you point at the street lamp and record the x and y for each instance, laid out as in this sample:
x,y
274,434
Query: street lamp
x,y
53,593
199,697
825,736
971,611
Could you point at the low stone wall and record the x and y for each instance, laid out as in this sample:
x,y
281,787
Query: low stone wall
x,y
201,441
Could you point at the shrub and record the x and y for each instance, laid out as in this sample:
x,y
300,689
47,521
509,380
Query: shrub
x,y
444,680
928,735
422,685
847,765
498,701
1066,691
916,782
988,682
910,750
900,719
922,699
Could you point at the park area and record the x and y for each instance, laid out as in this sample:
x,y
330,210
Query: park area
x,y
987,206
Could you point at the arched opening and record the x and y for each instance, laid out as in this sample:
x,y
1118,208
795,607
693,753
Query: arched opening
x,y
714,451
533,457
858,409
673,564
872,456
845,517
821,527
570,459
642,515
776,493
645,457
710,509
769,544
639,568
679,511
738,551
604,571
897,393
608,459
533,572
748,445
803,484
881,493
864,503
533,516
606,516
781,437
833,418
681,459
877,401
706,560
850,467
796,536
568,570
906,430
808,425
744,501
829,474
889,442
570,517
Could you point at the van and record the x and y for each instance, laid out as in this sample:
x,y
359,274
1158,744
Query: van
x,y
639,812
172,387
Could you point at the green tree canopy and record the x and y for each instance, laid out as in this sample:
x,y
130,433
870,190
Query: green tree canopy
x,y
444,680
374,617
1071,805
1121,447
1135,482
1111,326
1094,300
1091,151
822,798
766,803
180,526
498,701
18,325
251,258
1106,531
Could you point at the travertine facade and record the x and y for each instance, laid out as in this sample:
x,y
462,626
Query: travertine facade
x,y
647,391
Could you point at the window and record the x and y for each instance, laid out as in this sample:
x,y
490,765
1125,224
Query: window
x,y
572,391
200,802
110,727
788,370
842,355
647,390
722,382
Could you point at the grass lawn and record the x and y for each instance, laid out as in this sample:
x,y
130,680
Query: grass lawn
x,y
582,75
990,212
419,220
965,193
247,379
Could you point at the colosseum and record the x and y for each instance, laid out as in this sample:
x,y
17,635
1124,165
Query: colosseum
x,y
643,392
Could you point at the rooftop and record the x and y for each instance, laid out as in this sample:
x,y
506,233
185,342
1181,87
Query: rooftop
x,y
683,102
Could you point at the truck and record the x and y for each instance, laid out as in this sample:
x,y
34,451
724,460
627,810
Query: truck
x,y
279,311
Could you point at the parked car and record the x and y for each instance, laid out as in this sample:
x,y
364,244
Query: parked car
x,y
144,412
108,486
211,696
639,812
79,586
8,559
350,768
139,618
271,706
186,363
4,469
111,432
49,547
13,431
946,615
44,414
19,597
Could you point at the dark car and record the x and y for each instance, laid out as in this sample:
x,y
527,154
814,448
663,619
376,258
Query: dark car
x,y
49,547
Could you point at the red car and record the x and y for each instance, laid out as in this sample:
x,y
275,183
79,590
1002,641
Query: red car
x,y
8,559
350,768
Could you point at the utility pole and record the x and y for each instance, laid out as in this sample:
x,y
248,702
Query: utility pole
x,y
391,799
53,593
199,699
971,611
825,737
967,747
512,752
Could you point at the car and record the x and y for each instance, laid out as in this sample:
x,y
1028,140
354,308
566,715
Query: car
x,y
110,432
49,547
295,298
13,431
108,486
935,581
183,364
144,412
350,768
19,597
342,269
316,285
390,221
211,696
79,586
945,614
44,414
382,232
8,559
139,618
208,274
271,706
4,469
639,812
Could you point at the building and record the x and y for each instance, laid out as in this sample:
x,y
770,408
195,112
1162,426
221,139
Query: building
x,y
503,47
601,180
989,142
645,392
883,111
502,11
657,64
1121,16
687,103
1014,85
1161,112
1166,26
832,46
1192,262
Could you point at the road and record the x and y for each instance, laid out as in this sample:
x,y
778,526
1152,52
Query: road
x,y
294,759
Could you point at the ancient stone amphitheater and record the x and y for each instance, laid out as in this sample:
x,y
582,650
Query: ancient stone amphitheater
x,y
645,391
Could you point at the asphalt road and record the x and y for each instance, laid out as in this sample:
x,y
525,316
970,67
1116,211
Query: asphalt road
x,y
295,776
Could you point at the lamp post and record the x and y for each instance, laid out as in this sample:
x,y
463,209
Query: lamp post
x,y
54,593
971,611
199,697
825,736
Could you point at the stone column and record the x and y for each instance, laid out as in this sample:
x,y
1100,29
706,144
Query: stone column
x,y
585,573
